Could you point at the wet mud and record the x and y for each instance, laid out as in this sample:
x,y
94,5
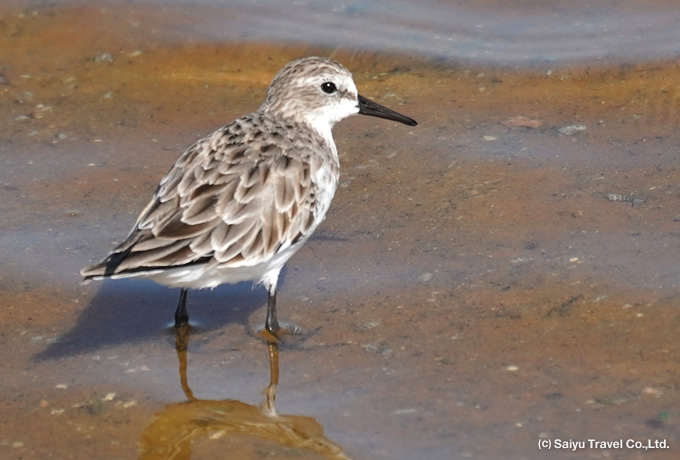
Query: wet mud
x,y
504,273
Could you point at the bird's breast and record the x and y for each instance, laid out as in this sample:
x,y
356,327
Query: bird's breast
x,y
325,180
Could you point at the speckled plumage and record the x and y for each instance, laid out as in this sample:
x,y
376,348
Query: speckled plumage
x,y
241,201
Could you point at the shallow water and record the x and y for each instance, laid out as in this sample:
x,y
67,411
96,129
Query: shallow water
x,y
483,281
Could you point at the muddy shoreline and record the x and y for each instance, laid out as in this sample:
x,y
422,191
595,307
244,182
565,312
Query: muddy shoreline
x,y
473,290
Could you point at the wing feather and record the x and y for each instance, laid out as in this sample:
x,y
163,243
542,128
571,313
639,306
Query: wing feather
x,y
158,257
225,201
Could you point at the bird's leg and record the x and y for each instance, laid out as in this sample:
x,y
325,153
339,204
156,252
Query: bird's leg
x,y
273,330
272,323
181,315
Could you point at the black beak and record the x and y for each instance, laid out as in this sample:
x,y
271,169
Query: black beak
x,y
368,107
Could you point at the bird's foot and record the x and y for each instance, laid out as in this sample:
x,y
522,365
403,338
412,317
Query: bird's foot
x,y
276,334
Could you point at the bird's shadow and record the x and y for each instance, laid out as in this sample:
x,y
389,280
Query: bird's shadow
x,y
129,311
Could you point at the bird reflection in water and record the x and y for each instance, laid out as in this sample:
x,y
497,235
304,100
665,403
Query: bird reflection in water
x,y
235,430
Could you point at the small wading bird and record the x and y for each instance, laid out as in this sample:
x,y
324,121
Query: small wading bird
x,y
241,201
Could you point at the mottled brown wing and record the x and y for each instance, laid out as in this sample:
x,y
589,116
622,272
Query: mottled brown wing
x,y
224,201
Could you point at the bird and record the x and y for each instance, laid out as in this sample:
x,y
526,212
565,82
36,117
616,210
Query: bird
x,y
238,203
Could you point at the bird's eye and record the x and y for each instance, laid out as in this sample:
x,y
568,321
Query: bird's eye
x,y
328,87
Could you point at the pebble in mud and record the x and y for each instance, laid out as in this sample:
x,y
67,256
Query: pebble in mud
x,y
521,121
379,348
104,57
367,326
570,130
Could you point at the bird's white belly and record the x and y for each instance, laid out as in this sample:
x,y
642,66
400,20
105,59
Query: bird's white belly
x,y
205,276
